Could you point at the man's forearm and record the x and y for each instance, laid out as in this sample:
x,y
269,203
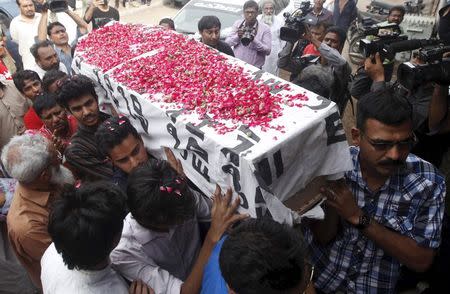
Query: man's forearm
x,y
89,13
193,282
42,28
403,248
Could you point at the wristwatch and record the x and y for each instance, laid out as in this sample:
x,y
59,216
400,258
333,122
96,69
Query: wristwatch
x,y
364,222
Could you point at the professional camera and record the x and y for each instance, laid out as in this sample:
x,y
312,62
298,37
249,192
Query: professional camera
x,y
57,5
378,38
294,26
248,35
52,5
436,70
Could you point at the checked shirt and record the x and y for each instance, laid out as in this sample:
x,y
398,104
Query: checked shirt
x,y
410,203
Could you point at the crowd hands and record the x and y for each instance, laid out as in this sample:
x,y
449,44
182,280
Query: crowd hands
x,y
91,199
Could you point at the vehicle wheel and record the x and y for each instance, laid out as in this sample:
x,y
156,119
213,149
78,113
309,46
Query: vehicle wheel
x,y
354,53
168,2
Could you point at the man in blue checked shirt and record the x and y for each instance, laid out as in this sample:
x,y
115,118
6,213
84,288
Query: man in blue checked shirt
x,y
387,211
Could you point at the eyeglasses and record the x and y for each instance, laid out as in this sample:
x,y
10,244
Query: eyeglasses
x,y
381,145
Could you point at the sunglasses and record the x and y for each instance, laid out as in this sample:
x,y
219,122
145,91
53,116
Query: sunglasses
x,y
381,145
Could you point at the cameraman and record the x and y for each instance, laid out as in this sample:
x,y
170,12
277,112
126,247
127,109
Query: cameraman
x,y
331,59
259,34
371,78
59,35
290,57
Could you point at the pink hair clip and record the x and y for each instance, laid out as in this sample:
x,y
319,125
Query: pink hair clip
x,y
77,184
121,122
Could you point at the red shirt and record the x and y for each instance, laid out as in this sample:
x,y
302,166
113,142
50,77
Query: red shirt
x,y
311,50
4,72
32,121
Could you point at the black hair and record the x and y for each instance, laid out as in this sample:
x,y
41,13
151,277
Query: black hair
x,y
52,76
263,256
168,21
112,132
158,196
208,22
42,44
316,78
339,32
21,76
52,25
86,222
74,88
251,4
385,106
43,102
398,8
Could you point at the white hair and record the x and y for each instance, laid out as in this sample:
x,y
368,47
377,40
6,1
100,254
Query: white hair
x,y
264,2
25,157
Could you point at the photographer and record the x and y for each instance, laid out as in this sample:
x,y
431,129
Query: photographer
x,y
290,57
251,39
58,34
331,59
371,78
100,13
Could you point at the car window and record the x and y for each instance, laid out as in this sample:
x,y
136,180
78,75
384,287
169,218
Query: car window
x,y
186,21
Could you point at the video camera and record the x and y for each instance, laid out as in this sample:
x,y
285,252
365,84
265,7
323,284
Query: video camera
x,y
378,38
294,26
53,6
437,68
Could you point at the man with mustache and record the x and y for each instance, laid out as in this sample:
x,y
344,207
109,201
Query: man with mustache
x,y
387,211
275,22
35,164
46,58
77,95
58,126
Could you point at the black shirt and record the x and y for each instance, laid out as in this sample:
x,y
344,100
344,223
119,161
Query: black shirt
x,y
100,18
224,48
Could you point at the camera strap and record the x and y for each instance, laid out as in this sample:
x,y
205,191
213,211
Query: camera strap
x,y
254,28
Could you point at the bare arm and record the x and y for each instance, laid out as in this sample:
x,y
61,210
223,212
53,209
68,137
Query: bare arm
x,y
82,25
223,216
90,11
406,250
42,28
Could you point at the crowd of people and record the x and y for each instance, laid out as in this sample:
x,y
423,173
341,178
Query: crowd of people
x,y
86,208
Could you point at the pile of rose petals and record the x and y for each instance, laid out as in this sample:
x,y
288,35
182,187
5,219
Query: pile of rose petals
x,y
189,75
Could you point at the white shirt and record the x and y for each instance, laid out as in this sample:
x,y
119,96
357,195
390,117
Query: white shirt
x,y
161,260
42,72
270,65
57,278
24,34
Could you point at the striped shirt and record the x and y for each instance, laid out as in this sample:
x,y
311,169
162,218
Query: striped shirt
x,y
411,203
